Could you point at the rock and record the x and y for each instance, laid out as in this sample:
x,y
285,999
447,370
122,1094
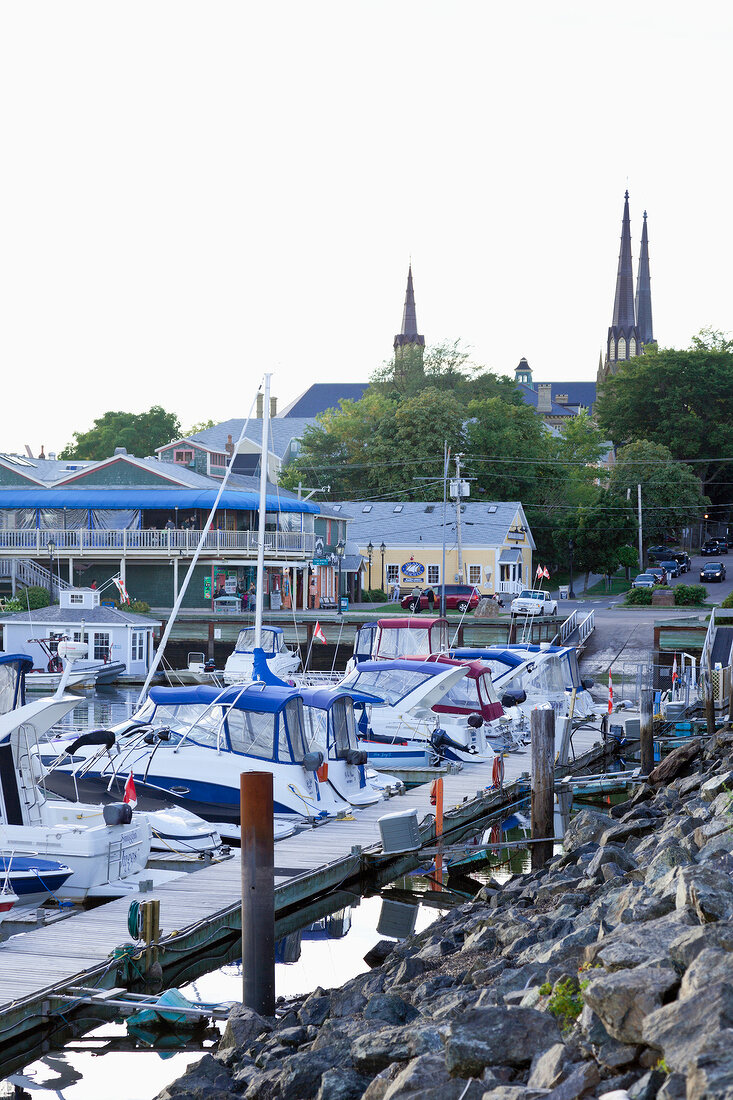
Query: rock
x,y
675,763
341,1084
672,856
686,947
654,938
613,1055
647,1087
674,1088
582,1078
390,1008
710,1073
588,825
292,1036
201,1081
625,998
302,1073
242,1027
493,1035
376,955
717,846
315,1008
407,970
373,1052
708,891
710,967
568,950
348,1001
714,786
548,1067
426,1078
611,853
620,834
622,955
681,1029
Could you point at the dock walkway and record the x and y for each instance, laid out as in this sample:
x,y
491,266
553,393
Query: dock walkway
x,y
37,967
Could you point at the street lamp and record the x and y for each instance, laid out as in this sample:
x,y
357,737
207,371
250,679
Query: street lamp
x,y
51,548
370,551
382,548
340,547
571,594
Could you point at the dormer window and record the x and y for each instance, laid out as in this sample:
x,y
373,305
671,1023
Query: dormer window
x,y
184,458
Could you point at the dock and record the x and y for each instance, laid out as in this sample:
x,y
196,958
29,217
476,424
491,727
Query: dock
x,y
200,911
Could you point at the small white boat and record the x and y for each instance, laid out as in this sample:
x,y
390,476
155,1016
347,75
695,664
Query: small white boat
x,y
281,661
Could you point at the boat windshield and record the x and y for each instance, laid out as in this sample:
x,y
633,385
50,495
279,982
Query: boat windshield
x,y
364,640
550,675
8,680
246,640
252,733
315,720
391,685
343,726
203,722
291,741
463,696
403,641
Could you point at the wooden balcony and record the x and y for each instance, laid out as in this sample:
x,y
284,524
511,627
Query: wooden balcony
x,y
150,543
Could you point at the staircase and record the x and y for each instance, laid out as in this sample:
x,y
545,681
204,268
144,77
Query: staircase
x,y
28,573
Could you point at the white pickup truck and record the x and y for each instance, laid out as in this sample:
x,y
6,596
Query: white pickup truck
x,y
534,603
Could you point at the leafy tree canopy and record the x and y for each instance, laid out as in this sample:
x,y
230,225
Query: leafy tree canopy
x,y
139,433
680,399
201,426
601,536
670,492
446,366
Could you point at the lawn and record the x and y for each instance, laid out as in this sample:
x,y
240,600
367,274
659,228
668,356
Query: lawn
x,y
618,586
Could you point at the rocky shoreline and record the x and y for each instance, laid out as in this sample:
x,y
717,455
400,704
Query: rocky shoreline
x,y
610,971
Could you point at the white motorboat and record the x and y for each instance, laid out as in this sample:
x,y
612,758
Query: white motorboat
x,y
390,639
281,661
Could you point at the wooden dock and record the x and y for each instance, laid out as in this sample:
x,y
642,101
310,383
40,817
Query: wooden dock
x,y
202,908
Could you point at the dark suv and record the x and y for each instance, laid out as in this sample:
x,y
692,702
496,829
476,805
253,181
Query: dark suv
x,y
458,597
714,547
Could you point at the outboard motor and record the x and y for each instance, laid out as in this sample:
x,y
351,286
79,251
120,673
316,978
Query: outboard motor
x,y
475,721
117,813
441,741
312,761
513,697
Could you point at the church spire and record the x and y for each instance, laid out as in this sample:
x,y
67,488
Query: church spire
x,y
409,336
644,291
623,306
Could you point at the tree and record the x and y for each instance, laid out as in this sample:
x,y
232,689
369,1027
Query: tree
x,y
680,399
670,492
202,426
445,366
138,433
600,535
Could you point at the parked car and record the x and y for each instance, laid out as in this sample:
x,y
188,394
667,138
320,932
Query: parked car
x,y
656,553
682,559
658,572
458,597
531,602
722,546
712,546
672,567
644,580
713,571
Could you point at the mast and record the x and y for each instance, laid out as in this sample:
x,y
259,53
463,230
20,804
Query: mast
x,y
263,508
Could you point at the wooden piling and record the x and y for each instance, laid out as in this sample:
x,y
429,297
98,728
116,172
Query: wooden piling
x,y
258,892
543,784
439,831
709,700
210,643
646,730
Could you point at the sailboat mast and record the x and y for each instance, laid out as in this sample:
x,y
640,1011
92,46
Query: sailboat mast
x,y
263,508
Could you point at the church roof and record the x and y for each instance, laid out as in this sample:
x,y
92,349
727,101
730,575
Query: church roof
x,y
644,291
322,396
408,334
623,305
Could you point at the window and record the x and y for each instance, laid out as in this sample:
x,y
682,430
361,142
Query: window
x,y
474,574
183,457
102,646
621,353
367,508
76,597
491,509
393,574
433,574
430,508
216,459
138,645
398,508
336,507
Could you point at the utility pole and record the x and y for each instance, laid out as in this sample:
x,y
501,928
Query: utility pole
x,y
458,514
641,537
446,453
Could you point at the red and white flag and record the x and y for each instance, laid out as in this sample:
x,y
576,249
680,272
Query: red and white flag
x,y
130,793
674,670
318,635
539,574
117,581
546,573
610,692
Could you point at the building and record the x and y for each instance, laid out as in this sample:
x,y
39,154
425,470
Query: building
x,y
554,401
63,524
631,326
487,544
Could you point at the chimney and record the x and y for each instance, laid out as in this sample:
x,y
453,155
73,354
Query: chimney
x,y
260,405
229,446
42,455
273,406
544,397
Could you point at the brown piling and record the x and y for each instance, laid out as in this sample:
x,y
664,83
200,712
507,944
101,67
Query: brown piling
x,y
646,730
258,892
543,784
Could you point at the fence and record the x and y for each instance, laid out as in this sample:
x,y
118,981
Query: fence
x,y
83,539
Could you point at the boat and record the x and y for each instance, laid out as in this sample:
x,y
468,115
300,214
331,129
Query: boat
x,y
398,726
31,878
545,673
187,747
281,661
388,639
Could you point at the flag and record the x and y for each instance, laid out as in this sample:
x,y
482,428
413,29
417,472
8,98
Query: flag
x,y
130,793
674,670
117,581
546,573
318,635
610,692
539,574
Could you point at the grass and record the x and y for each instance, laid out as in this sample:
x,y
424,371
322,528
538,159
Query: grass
x,y
618,586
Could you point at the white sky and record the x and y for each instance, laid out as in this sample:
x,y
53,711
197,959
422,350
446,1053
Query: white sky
x,y
192,194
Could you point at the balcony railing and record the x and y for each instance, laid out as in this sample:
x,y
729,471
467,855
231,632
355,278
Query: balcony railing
x,y
83,540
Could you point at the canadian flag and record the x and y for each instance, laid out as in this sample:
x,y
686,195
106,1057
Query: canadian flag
x,y
318,635
130,793
540,573
546,573
610,692
117,581
674,670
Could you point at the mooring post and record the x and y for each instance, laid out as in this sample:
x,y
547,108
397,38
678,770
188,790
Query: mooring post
x,y
439,831
258,892
646,730
210,643
709,699
542,725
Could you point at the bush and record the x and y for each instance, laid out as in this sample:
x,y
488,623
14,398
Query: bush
x,y
375,595
34,597
687,595
10,606
728,601
139,607
639,597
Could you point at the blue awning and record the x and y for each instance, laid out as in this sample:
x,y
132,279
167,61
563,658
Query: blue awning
x,y
164,498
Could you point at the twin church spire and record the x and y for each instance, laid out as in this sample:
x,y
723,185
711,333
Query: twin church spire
x,y
631,327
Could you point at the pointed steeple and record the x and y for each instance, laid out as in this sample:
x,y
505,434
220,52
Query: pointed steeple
x,y
409,336
644,291
623,305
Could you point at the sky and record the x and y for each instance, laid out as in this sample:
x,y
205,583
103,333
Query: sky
x,y
193,194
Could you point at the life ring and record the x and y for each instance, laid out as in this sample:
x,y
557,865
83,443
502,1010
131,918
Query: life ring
x,y
497,774
55,665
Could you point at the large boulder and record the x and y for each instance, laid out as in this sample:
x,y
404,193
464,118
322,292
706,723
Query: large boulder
x,y
426,1078
710,967
674,764
497,1036
708,891
710,1071
680,1030
625,998
588,825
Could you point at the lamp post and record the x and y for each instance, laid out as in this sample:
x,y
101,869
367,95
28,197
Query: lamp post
x,y
340,547
51,548
571,594
382,548
370,551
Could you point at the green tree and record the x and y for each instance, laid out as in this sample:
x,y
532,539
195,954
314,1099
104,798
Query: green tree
x,y
680,399
201,426
670,491
446,366
600,535
139,433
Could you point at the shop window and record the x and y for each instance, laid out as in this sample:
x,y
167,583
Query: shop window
x,y
393,574
474,574
433,574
